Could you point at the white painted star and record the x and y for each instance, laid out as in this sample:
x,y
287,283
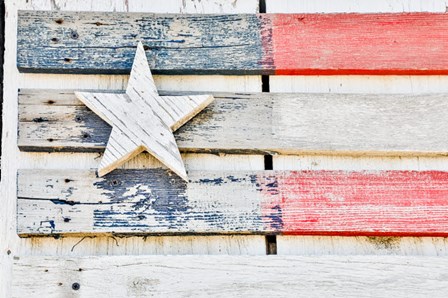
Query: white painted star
x,y
142,120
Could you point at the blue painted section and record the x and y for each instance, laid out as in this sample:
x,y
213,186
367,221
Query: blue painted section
x,y
157,200
94,42
215,181
272,215
275,219
159,191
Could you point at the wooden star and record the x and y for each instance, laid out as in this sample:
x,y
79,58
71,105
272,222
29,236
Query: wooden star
x,y
142,120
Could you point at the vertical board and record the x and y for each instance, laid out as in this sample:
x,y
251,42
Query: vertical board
x,y
2,53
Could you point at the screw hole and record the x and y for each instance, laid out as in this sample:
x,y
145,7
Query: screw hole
x,y
75,35
76,286
54,39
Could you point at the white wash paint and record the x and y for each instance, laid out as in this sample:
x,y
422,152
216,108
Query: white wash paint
x,y
12,159
356,84
11,245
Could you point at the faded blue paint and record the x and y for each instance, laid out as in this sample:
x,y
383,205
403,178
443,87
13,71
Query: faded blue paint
x,y
161,192
163,204
275,219
215,181
175,44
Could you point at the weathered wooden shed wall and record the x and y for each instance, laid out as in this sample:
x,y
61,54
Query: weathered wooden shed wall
x,y
12,159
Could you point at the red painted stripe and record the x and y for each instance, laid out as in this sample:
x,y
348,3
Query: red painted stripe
x,y
379,44
357,203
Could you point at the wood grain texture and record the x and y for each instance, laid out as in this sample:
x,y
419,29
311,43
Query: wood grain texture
x,y
258,123
12,158
359,84
231,276
153,201
299,44
371,245
142,120
183,44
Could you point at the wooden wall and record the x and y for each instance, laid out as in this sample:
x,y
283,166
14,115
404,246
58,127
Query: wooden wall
x,y
12,159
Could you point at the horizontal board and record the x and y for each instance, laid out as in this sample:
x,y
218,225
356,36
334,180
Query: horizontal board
x,y
351,6
155,201
352,124
307,44
230,276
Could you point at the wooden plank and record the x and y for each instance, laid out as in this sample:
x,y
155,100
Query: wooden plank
x,y
339,245
193,44
143,245
351,6
290,124
154,201
307,44
230,276
360,84
357,83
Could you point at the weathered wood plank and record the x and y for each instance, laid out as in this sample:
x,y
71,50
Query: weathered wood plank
x,y
155,201
365,245
183,44
246,123
412,43
231,276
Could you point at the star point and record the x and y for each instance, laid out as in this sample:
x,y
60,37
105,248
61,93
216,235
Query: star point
x,y
142,120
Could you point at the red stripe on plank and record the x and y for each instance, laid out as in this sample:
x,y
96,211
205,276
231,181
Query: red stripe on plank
x,y
357,203
379,44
